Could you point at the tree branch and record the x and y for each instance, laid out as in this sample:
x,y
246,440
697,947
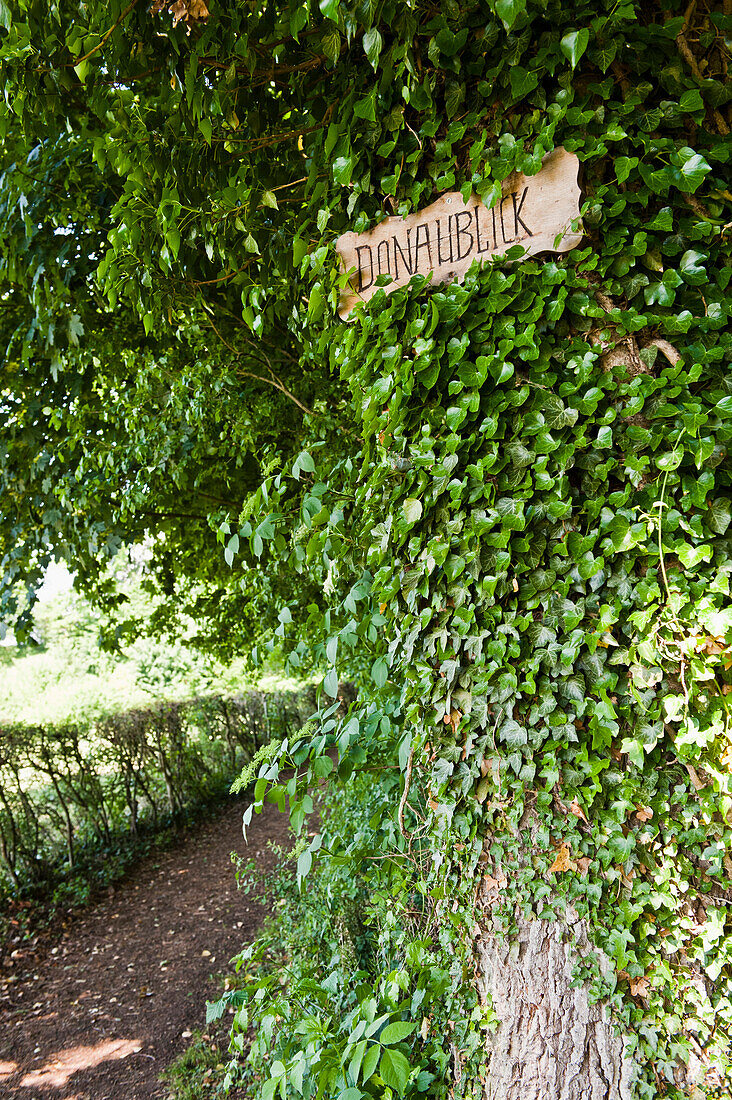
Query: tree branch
x,y
405,792
103,39
273,381
685,51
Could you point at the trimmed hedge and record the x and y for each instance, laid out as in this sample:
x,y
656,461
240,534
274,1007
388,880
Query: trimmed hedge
x,y
70,790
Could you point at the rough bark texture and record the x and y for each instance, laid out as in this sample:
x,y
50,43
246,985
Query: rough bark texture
x,y
551,1043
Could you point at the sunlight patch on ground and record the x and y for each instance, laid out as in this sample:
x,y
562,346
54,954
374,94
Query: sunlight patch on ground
x,y
7,1069
60,1066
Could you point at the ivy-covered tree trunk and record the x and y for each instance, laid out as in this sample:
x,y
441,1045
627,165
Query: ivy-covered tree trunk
x,y
499,503
551,1040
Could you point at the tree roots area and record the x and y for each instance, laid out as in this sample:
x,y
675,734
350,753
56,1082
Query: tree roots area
x,y
99,1009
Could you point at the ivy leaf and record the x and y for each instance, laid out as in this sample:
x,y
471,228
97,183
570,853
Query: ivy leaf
x,y
82,69
522,81
690,556
556,414
693,169
633,746
720,515
331,45
316,303
366,108
454,566
343,170
412,509
621,846
692,268
172,237
691,101
605,56
508,11
574,44
454,96
520,455
394,1070
513,734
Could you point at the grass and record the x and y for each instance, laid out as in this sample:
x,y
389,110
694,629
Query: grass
x,y
49,685
68,675
196,1074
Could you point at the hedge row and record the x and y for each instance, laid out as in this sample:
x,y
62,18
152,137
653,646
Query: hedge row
x,y
71,789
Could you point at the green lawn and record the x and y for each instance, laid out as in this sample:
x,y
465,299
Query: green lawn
x,y
68,675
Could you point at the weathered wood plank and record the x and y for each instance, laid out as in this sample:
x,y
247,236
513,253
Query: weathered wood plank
x,y
447,236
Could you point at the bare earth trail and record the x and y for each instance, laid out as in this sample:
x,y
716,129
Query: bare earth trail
x,y
99,1012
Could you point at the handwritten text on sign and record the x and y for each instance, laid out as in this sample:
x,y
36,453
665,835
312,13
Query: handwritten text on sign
x,y
447,236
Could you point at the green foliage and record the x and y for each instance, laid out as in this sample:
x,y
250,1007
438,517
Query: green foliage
x,y
193,1075
338,987
501,507
66,674
73,793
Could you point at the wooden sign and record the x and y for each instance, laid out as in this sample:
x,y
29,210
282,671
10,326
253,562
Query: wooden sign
x,y
447,236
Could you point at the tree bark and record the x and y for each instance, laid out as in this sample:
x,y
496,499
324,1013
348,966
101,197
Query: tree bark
x,y
551,1042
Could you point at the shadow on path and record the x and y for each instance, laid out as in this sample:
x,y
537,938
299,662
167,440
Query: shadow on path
x,y
98,1013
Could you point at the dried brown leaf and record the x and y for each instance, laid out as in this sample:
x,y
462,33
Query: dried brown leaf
x,y
453,719
189,12
639,986
577,810
492,883
563,861
179,11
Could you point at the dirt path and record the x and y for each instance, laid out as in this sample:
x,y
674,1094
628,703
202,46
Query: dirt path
x,y
100,1012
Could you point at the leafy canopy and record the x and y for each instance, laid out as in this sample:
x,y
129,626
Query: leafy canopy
x,y
543,645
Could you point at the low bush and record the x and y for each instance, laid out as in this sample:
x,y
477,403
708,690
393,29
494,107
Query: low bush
x,y
74,793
